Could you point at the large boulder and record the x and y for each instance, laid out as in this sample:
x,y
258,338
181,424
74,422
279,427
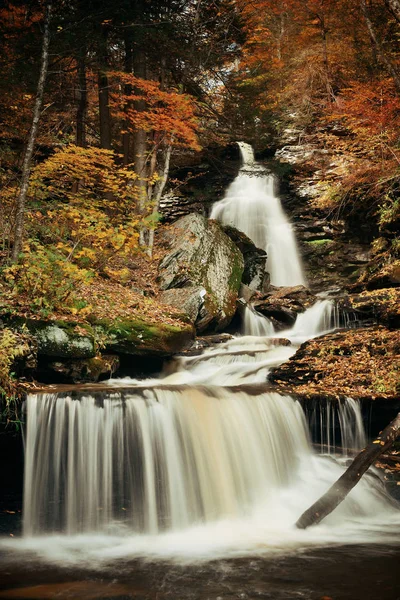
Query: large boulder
x,y
201,254
62,339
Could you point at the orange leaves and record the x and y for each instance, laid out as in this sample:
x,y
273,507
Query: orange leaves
x,y
168,112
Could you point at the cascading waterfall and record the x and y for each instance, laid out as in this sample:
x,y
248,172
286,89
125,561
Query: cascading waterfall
x,y
252,205
201,461
255,324
159,460
337,426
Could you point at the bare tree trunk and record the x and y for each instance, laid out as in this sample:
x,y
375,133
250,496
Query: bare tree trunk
x,y
103,85
338,492
104,111
381,53
139,138
394,7
82,101
128,65
27,164
158,195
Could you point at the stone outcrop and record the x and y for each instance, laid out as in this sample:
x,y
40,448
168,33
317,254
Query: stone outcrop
x,y
282,305
86,370
381,306
200,254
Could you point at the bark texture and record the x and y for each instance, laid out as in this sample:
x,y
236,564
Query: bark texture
x,y
27,164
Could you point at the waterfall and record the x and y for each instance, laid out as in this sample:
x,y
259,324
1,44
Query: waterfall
x,y
165,460
202,460
337,426
252,205
320,318
255,324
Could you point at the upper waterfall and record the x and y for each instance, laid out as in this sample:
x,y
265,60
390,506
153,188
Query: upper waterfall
x,y
251,204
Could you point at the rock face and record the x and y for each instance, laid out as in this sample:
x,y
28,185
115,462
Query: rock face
x,y
85,370
382,306
254,275
282,305
204,176
202,255
187,299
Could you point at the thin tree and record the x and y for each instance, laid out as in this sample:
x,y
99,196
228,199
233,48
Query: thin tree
x,y
378,45
27,164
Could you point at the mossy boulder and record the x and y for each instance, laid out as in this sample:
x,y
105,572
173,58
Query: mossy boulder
x,y
62,339
143,338
201,254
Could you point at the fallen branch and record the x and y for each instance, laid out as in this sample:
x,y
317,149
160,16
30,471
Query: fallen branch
x,y
338,492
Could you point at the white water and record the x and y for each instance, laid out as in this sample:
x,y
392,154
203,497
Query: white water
x,y
256,324
189,468
191,474
252,205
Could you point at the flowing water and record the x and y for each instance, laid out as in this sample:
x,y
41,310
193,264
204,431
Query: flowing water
x,y
251,204
203,465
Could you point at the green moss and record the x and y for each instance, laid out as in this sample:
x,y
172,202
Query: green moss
x,y
236,274
319,242
136,336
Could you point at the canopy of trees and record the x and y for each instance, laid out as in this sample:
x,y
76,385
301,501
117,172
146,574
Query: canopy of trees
x,y
95,97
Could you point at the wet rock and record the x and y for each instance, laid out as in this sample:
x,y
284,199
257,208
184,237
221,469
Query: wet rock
x,y
86,370
283,304
254,275
201,254
204,342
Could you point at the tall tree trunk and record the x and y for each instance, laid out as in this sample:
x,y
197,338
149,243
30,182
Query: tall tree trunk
x,y
103,85
159,190
338,492
104,111
394,7
128,66
27,164
381,53
82,101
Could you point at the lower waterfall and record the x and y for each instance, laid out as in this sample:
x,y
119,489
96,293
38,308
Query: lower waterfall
x,y
189,473
204,462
